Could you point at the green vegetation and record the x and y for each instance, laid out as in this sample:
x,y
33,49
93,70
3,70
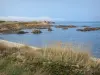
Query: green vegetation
x,y
47,61
2,21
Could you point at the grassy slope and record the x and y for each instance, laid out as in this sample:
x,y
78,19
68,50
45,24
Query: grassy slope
x,y
47,61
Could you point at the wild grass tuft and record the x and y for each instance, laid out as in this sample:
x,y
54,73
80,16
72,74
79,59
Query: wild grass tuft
x,y
55,60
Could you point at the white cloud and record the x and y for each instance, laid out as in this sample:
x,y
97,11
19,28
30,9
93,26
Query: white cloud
x,y
16,18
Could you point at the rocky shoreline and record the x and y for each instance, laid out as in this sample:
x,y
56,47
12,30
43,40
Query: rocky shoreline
x,y
89,29
14,27
18,27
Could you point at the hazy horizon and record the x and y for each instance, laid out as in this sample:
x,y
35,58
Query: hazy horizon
x,y
64,10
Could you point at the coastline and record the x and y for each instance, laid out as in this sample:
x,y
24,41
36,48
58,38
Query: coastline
x,y
10,44
14,44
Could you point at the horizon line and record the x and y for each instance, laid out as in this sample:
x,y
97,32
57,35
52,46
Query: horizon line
x,y
43,18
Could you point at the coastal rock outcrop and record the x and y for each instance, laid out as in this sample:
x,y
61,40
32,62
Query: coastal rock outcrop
x,y
49,29
85,26
36,31
13,27
65,26
21,32
42,26
71,26
4,29
9,28
89,29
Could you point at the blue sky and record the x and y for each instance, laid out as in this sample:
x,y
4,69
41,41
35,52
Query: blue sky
x,y
69,10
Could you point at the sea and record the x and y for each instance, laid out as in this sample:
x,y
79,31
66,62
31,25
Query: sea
x,y
89,39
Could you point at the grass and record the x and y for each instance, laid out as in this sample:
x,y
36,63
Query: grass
x,y
56,60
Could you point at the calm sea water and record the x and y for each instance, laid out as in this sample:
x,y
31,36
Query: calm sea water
x,y
90,39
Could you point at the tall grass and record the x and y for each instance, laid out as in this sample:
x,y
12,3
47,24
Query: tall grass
x,y
55,60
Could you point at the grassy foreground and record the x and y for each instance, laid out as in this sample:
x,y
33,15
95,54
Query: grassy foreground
x,y
47,61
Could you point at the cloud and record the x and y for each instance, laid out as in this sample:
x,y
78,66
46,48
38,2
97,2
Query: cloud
x,y
17,18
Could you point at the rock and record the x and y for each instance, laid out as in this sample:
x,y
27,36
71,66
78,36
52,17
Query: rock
x,y
21,32
49,29
80,30
85,26
49,22
53,22
9,28
60,26
89,29
71,26
4,29
37,26
65,26
36,31
42,27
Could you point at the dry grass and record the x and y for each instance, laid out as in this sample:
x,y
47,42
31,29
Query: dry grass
x,y
55,60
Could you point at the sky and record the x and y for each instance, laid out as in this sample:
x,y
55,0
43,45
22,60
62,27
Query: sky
x,y
69,10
